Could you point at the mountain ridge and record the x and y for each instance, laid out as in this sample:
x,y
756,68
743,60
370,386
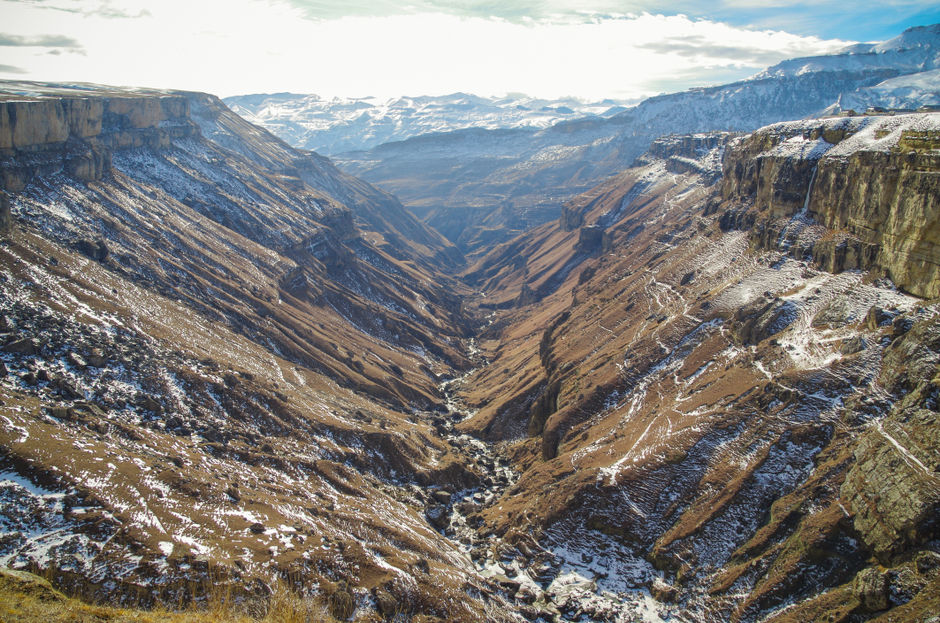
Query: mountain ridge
x,y
471,194
337,125
705,390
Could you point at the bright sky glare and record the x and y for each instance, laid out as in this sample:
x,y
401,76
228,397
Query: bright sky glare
x,y
585,48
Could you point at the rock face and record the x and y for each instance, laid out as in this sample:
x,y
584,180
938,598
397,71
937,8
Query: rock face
x,y
683,153
872,182
6,216
40,135
894,487
870,587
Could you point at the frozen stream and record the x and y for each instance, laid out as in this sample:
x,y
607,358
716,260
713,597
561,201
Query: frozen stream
x,y
557,583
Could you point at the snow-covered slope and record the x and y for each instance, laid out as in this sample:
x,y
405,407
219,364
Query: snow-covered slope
x,y
348,124
907,91
912,51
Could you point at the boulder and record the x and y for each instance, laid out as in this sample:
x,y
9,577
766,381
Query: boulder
x,y
386,604
96,358
852,345
437,516
68,389
663,591
870,588
443,497
75,360
762,319
25,346
95,249
876,317
342,602
507,584
149,403
66,414
927,561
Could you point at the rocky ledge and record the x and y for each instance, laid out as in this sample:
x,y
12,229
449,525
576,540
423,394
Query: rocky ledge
x,y
871,183
47,129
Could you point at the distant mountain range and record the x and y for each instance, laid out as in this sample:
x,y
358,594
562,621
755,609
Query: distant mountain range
x,y
482,182
335,125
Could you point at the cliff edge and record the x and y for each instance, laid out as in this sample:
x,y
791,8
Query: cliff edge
x,y
852,192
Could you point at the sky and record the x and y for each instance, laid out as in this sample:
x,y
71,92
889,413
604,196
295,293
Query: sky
x,y
590,49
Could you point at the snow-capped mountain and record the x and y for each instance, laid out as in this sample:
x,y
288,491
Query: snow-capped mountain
x,y
912,51
912,57
336,125
475,195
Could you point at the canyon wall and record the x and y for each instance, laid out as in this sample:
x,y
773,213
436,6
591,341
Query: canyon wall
x,y
76,135
871,182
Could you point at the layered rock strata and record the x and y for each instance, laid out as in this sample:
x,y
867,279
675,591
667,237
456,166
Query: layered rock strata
x,y
872,182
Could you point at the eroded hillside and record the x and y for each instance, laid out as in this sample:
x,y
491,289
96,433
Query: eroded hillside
x,y
708,391
219,355
716,391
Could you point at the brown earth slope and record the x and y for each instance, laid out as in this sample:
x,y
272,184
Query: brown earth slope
x,y
711,391
218,358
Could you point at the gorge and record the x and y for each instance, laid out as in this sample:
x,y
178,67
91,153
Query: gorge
x,y
705,389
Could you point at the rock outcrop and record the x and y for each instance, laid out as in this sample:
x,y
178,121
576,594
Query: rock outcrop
x,y
871,182
42,134
894,486
687,153
6,216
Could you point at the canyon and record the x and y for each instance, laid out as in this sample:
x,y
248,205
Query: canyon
x,y
702,388
485,183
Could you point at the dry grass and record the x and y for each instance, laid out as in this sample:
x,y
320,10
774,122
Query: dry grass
x,y
29,604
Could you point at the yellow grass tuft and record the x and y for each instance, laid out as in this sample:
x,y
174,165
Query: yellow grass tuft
x,y
19,604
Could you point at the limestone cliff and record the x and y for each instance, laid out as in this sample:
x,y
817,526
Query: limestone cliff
x,y
6,217
43,133
872,182
687,153
894,488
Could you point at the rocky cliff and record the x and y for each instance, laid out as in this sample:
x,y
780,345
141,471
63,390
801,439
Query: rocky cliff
x,y
871,182
44,135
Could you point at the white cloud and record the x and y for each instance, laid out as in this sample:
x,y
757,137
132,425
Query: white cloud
x,y
241,46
